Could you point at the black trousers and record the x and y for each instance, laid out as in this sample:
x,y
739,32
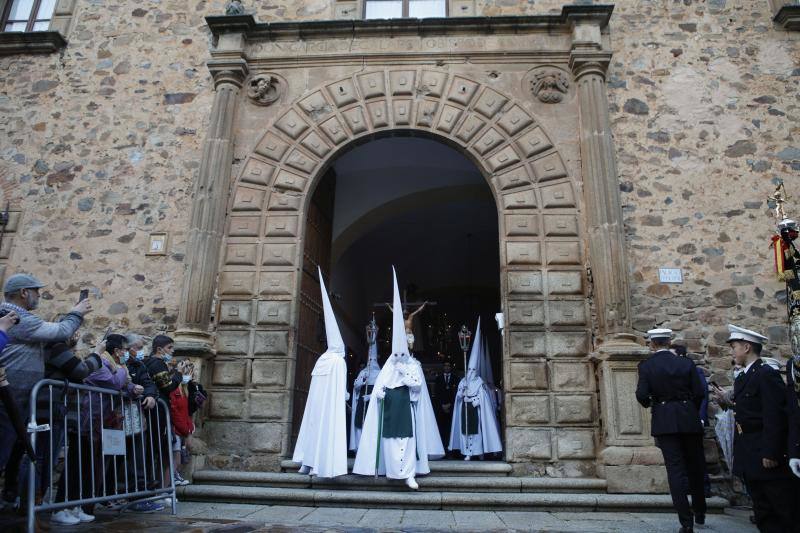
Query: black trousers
x,y
685,462
775,504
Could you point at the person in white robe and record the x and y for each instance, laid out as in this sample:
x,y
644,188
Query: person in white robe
x,y
321,447
362,390
399,433
474,430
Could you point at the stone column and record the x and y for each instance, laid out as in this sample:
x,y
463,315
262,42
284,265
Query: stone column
x,y
210,201
628,460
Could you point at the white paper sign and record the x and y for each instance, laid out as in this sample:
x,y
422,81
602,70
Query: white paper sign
x,y
670,275
113,442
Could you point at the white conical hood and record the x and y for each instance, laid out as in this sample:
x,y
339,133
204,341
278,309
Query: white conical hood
x,y
332,333
399,338
475,354
372,362
485,371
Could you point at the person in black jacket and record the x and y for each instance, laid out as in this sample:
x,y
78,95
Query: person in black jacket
x,y
166,380
61,364
761,436
670,386
445,386
793,408
138,461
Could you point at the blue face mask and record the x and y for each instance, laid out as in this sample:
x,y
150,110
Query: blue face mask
x,y
187,379
125,357
140,355
167,357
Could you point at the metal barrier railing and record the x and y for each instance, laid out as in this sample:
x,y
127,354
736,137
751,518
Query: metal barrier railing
x,y
128,449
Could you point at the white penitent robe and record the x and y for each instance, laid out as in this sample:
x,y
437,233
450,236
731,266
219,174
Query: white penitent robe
x,y
366,378
322,441
399,458
487,440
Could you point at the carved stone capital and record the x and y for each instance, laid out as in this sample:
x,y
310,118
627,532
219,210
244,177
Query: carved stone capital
x,y
194,343
230,71
586,62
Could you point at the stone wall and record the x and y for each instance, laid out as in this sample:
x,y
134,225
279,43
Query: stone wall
x,y
704,102
101,144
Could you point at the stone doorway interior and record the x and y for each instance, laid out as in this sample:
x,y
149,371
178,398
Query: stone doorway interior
x,y
416,203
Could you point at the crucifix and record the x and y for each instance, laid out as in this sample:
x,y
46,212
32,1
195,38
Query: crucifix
x,y
408,317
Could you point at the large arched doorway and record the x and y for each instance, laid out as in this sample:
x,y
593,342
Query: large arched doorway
x,y
424,207
550,391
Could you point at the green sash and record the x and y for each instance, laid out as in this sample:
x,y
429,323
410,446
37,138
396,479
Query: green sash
x,y
361,406
397,414
469,414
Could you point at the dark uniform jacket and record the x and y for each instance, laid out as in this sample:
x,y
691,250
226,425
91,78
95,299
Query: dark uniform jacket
x,y
140,376
761,425
669,384
445,393
793,408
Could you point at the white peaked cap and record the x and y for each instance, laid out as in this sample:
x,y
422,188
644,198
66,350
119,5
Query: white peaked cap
x,y
399,339
332,333
477,347
659,333
741,334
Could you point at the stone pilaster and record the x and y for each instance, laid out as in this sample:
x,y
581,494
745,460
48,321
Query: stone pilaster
x,y
606,235
210,200
628,460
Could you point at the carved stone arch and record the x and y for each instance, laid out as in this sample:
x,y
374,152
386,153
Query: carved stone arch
x,y
543,284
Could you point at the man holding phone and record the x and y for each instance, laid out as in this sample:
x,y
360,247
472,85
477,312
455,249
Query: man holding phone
x,y
24,355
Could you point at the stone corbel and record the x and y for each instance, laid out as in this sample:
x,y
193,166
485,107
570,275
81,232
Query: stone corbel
x,y
788,17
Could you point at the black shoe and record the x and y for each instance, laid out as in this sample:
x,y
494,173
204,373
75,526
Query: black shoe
x,y
700,519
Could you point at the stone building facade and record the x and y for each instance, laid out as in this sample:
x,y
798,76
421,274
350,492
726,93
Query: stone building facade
x,y
616,140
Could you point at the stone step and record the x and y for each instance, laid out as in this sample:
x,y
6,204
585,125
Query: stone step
x,y
426,483
379,499
446,467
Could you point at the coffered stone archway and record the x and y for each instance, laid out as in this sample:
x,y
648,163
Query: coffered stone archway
x,y
526,102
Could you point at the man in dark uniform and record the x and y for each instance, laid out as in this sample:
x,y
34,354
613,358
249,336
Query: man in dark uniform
x,y
669,384
761,435
793,408
445,387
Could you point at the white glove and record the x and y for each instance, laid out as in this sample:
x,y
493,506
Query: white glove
x,y
794,464
380,393
476,402
346,396
367,397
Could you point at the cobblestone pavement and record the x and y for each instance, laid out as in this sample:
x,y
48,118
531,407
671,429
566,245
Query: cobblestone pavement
x,y
241,518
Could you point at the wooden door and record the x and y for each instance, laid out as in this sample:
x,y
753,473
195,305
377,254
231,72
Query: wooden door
x,y
311,340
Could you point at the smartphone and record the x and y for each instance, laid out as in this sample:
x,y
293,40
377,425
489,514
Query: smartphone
x,y
84,295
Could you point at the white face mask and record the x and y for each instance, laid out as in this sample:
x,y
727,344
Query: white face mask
x,y
187,379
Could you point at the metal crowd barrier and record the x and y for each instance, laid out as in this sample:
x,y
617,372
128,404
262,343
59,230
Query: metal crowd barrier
x,y
106,429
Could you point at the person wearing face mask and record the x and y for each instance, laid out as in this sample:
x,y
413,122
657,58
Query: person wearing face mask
x,y
98,413
24,355
134,359
182,425
167,379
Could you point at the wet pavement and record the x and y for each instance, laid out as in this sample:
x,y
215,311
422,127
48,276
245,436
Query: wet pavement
x,y
200,517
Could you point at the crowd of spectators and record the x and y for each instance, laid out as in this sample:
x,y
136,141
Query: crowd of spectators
x,y
152,389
